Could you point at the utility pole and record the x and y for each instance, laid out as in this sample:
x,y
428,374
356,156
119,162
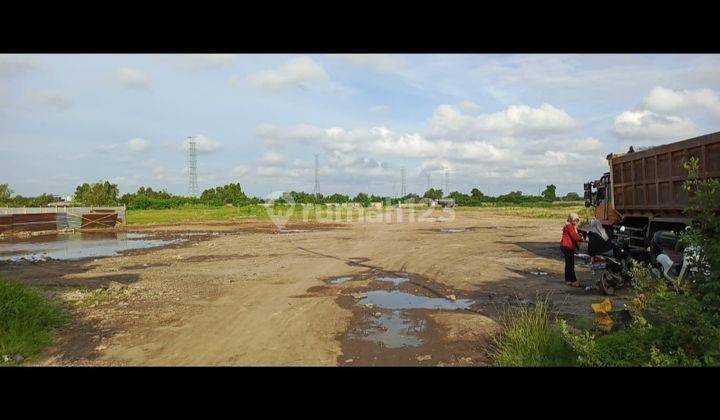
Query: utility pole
x,y
192,167
317,176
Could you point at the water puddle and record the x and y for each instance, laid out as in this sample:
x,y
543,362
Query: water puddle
x,y
453,230
294,230
396,299
394,279
76,245
340,280
392,322
392,330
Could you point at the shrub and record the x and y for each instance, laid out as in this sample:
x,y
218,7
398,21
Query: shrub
x,y
530,337
27,321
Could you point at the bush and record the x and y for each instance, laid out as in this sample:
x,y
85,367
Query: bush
x,y
530,337
27,321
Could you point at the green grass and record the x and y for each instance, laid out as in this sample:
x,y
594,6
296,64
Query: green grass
x,y
196,214
252,212
530,337
27,321
556,210
100,296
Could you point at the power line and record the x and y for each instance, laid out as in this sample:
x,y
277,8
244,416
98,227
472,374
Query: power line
x,y
192,167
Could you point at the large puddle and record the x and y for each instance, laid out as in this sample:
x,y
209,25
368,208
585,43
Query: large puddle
x,y
76,245
392,330
396,299
392,312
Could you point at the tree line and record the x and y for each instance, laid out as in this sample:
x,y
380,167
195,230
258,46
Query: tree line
x,y
105,193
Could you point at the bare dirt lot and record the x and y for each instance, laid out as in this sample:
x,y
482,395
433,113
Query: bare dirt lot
x,y
359,293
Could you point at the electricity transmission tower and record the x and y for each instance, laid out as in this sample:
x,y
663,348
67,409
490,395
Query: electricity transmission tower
x,y
447,181
192,167
402,182
317,176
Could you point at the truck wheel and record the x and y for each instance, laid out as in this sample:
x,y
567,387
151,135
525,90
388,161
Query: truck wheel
x,y
605,284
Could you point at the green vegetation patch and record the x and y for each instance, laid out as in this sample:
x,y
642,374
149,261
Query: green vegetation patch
x,y
531,337
27,321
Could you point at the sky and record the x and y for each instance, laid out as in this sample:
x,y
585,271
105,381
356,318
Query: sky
x,y
499,123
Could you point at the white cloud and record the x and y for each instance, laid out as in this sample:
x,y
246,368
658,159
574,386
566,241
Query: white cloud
x,y
380,63
379,108
645,125
586,145
296,73
382,141
665,100
13,65
239,171
521,174
131,78
52,99
469,107
106,147
203,145
272,159
195,62
159,172
137,145
450,122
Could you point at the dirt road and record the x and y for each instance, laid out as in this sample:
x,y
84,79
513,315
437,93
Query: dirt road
x,y
318,294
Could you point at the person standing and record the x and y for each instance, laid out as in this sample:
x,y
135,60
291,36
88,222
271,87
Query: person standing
x,y
569,244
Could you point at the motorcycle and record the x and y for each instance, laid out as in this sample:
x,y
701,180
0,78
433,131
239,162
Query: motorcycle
x,y
616,273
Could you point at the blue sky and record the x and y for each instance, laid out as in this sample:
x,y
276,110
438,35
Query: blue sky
x,y
496,122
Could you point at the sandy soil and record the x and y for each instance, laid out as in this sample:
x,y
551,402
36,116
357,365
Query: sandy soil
x,y
250,295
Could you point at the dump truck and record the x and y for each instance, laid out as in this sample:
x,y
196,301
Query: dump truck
x,y
642,192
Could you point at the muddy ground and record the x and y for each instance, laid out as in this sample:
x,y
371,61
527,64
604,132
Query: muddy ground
x,y
358,293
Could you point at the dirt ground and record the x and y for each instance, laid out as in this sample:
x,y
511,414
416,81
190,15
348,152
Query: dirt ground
x,y
249,294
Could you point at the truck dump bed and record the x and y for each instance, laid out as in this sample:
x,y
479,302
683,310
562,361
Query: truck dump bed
x,y
649,182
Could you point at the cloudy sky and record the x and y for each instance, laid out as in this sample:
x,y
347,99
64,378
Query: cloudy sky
x,y
497,122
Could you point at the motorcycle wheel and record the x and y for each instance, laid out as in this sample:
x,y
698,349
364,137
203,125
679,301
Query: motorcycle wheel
x,y
605,284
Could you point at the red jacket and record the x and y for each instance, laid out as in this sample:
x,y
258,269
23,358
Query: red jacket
x,y
570,237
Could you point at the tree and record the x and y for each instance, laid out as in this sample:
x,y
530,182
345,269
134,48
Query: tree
x,y
549,193
338,198
363,199
227,194
433,194
5,193
572,196
512,197
97,194
410,198
477,194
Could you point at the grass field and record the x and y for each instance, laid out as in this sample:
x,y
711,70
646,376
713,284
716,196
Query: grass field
x,y
557,210
253,212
